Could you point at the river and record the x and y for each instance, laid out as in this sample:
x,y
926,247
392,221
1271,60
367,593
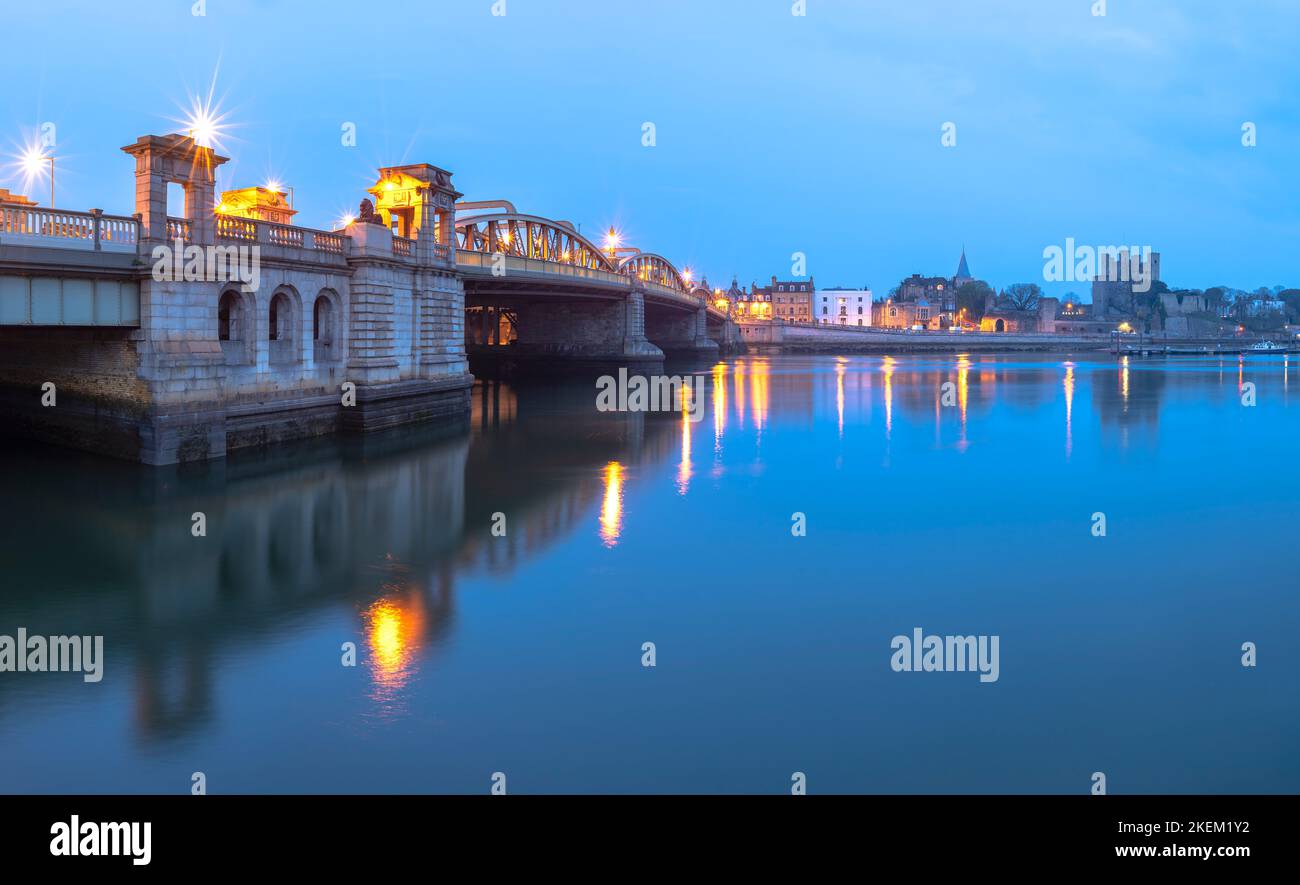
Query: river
x,y
505,582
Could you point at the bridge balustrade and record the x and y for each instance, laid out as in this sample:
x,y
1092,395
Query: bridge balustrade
x,y
178,228
70,230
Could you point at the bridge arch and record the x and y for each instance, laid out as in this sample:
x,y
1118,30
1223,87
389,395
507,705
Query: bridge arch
x,y
530,236
653,269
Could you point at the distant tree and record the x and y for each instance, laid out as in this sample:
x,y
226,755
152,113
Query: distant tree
x,y
1291,298
1215,299
972,298
1023,296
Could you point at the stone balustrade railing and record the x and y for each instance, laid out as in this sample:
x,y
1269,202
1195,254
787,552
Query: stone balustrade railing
x,y
231,227
94,230
251,230
178,228
70,230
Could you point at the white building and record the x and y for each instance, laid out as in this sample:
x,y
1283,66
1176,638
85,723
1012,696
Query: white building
x,y
842,307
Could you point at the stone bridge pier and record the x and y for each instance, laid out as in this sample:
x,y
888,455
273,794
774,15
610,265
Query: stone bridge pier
x,y
131,336
681,334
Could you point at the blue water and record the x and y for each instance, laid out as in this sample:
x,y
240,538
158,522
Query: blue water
x,y
522,654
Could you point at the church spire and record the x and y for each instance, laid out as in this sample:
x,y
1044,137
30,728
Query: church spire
x,y
963,270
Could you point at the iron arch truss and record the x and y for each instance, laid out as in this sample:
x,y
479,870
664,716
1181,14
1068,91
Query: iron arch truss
x,y
528,236
653,269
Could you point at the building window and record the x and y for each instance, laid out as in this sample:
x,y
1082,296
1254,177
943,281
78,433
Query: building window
x,y
825,310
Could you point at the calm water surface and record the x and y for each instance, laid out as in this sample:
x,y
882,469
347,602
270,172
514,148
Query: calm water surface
x,y
522,654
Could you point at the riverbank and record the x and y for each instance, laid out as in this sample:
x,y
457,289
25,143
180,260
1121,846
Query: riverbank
x,y
777,338
773,339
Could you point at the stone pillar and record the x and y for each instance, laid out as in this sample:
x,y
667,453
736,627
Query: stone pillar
x,y
180,359
702,328
635,343
200,204
442,332
161,160
426,227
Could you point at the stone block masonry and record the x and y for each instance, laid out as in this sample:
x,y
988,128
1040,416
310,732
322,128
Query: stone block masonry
x,y
345,332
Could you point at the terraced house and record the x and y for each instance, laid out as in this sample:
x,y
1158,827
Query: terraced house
x,y
791,300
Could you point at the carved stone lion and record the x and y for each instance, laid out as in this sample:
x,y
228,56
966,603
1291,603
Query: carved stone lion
x,y
367,215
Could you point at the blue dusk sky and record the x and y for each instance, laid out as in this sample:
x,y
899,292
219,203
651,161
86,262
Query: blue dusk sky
x,y
774,133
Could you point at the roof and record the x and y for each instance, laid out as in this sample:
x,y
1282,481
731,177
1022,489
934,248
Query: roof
x,y
963,270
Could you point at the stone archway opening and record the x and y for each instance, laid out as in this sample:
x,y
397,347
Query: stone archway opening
x,y
325,333
281,330
234,327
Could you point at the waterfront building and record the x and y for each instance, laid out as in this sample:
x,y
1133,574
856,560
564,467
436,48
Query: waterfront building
x,y
838,306
1001,316
791,300
747,305
1074,318
928,302
12,199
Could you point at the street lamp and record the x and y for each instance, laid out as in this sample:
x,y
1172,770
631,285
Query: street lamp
x,y
32,164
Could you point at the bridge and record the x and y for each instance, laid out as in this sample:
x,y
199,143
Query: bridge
x,y
173,339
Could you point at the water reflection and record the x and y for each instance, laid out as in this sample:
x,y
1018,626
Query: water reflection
x,y
887,366
1068,384
759,371
840,364
719,406
611,508
382,524
684,466
395,628
380,540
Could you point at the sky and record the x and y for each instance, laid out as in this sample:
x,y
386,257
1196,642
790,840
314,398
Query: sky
x,y
774,133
